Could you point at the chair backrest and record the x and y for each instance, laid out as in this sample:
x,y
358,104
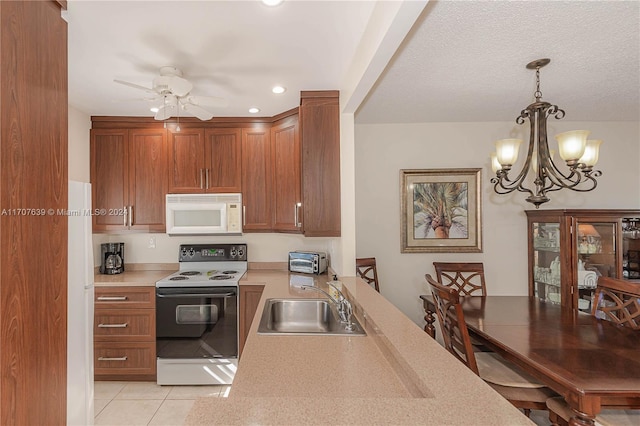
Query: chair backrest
x,y
451,318
467,278
618,301
366,269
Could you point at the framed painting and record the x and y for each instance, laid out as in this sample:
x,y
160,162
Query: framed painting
x,y
440,211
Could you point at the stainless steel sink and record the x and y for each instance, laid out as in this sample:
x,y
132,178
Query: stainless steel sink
x,y
304,317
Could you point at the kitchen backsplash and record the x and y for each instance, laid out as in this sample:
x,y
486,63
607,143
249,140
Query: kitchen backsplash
x,y
268,247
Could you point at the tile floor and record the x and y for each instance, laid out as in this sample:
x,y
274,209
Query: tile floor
x,y
145,403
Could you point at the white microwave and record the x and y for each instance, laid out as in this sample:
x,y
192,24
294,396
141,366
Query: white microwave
x,y
204,214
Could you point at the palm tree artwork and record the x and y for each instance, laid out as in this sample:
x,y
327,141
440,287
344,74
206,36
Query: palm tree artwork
x,y
440,210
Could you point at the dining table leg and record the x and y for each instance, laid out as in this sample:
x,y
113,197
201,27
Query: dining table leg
x,y
581,419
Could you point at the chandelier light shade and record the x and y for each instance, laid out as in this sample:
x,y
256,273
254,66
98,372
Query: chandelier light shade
x,y
579,154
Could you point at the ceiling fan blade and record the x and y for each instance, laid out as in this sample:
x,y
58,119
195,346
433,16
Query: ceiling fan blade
x,y
197,111
135,86
209,101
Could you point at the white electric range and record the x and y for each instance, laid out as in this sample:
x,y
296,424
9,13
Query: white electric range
x,y
197,315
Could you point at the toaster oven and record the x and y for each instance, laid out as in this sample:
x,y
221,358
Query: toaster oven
x,y
308,262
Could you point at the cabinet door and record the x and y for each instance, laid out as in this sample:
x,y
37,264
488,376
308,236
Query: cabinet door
x,y
547,260
222,151
186,161
109,177
285,149
256,179
148,179
320,139
249,299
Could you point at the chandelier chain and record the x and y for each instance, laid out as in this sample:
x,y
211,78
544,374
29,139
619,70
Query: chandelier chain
x,y
538,93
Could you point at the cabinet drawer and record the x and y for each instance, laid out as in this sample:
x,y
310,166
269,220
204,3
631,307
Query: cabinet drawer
x,y
124,358
125,297
124,325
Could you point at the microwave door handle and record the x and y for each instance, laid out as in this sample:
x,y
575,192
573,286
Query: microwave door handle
x,y
244,215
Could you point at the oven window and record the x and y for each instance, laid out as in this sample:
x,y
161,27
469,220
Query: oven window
x,y
197,218
196,314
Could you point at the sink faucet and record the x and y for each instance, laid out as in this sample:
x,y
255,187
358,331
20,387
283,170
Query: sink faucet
x,y
345,310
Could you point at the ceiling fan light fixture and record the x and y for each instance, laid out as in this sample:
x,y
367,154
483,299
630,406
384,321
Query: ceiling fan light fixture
x,y
278,89
254,110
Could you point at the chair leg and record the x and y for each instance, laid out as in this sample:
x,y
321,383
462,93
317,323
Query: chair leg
x,y
527,411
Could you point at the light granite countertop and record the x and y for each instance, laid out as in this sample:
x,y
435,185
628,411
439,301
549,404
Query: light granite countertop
x,y
397,374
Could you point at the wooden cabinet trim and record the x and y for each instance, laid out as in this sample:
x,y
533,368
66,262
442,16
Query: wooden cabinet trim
x,y
250,296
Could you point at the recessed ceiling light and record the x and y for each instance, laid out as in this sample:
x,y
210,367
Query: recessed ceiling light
x,y
272,2
254,110
154,109
278,89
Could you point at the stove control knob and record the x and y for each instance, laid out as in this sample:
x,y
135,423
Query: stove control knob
x,y
233,252
240,252
192,252
183,252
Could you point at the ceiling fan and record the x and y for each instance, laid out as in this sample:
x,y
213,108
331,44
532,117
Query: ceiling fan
x,y
172,93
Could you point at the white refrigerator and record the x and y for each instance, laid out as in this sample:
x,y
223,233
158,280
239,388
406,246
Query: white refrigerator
x,y
80,307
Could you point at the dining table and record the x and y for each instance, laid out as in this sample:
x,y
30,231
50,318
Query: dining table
x,y
592,363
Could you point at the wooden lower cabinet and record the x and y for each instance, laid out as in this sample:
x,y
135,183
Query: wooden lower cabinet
x,y
124,333
249,300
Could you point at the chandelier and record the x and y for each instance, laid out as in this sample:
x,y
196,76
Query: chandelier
x,y
579,154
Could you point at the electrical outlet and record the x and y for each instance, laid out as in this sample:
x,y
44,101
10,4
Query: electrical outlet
x,y
152,242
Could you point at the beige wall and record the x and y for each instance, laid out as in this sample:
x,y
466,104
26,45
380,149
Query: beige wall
x,y
79,126
383,149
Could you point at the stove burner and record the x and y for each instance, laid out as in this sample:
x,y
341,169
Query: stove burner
x,y
229,272
178,278
189,273
221,277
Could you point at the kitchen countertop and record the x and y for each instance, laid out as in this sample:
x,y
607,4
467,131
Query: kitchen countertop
x,y
396,374
139,278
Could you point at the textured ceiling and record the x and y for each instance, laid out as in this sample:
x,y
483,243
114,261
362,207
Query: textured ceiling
x,y
462,60
465,61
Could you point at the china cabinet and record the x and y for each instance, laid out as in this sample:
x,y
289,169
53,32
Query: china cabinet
x,y
570,249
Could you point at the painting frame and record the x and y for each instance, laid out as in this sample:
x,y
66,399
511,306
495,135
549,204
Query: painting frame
x,y
421,195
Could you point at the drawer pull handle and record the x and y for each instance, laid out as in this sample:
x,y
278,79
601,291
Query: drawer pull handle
x,y
112,298
104,358
124,325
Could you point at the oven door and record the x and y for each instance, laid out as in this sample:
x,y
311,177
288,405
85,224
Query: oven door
x,y
197,322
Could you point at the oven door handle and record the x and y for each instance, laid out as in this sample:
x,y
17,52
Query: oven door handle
x,y
197,295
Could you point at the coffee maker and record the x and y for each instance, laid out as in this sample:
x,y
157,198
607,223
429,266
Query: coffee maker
x,y
112,258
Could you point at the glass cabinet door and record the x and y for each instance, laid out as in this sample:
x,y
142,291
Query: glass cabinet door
x,y
631,248
546,261
596,257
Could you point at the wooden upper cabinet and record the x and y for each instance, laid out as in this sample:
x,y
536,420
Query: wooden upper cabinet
x,y
287,199
109,178
320,139
129,179
222,151
186,161
256,179
205,160
147,179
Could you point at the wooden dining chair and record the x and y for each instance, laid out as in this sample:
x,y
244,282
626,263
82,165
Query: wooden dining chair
x,y
367,270
618,301
520,389
466,277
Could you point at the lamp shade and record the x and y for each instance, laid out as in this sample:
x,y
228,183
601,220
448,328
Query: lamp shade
x,y
591,151
507,151
495,165
572,144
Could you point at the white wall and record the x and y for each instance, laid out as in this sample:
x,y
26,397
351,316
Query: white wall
x,y
79,126
382,150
